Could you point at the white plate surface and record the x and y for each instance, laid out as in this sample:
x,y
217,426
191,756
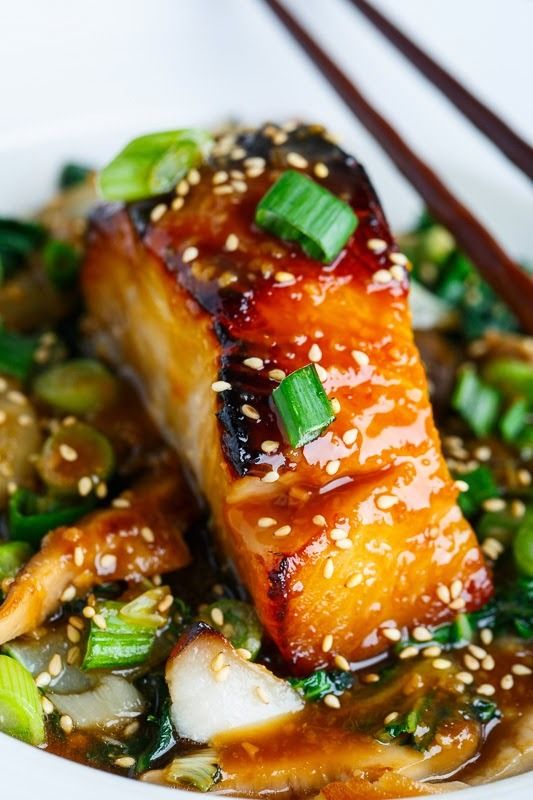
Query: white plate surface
x,y
78,79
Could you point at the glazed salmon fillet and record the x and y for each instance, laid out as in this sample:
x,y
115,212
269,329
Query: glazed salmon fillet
x,y
358,531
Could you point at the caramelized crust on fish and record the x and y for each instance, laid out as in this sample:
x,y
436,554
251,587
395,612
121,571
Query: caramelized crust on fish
x,y
357,531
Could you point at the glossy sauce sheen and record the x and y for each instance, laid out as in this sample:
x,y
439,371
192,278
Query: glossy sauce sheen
x,y
180,325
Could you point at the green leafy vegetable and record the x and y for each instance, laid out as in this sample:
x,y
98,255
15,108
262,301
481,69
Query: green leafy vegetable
x,y
241,625
299,210
198,770
13,555
162,740
17,241
477,402
30,516
120,644
153,164
318,684
21,713
303,406
481,487
17,353
73,175
62,263
79,386
512,377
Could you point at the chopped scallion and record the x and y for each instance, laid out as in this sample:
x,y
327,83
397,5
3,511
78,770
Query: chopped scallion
x,y
476,402
73,452
303,406
120,644
510,376
299,210
13,555
17,241
523,547
31,517
514,420
79,386
21,713
197,770
153,164
17,353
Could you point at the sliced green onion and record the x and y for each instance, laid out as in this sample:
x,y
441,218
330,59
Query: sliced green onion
x,y
500,525
241,625
481,486
153,164
437,244
73,175
17,353
523,547
13,555
80,386
17,241
72,452
510,376
143,610
299,210
62,263
120,644
198,770
21,713
514,420
303,406
30,517
476,402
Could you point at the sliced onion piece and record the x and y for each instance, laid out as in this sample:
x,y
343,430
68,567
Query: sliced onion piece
x,y
112,702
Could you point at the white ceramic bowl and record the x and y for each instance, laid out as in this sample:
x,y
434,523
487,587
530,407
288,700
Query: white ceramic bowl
x,y
78,79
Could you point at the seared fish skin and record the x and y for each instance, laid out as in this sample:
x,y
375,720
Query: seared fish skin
x,y
184,302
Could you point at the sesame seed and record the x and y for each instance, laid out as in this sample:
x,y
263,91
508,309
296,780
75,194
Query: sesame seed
x,y
43,679
349,437
165,604
239,186
73,655
332,467
255,162
470,662
217,615
218,662
85,486
66,724
223,189
232,243
16,397
314,353
354,580
266,522
88,612
189,254
494,504
329,569
277,375
280,533
321,170
55,666
386,501
67,452
342,663
222,674
442,663
254,363
131,728
284,277
520,669
486,636
12,487
77,622
158,211
335,405
147,534
108,562
518,509
377,245
124,761
182,188
220,386
296,160
392,634
238,153
226,279
524,477
219,177
507,682
269,446
250,412
254,172
465,677
73,634
360,358
327,643
488,663
382,276
486,689
338,533
370,677
391,717
243,652
321,372
319,520
344,544
270,477
397,272
262,695
68,594
433,651
25,420
193,177
457,604
47,705
443,593
100,622
482,453
422,634
399,258
461,486
408,652
331,701
477,651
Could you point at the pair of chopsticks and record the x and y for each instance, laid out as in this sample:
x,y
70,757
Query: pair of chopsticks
x,y
512,283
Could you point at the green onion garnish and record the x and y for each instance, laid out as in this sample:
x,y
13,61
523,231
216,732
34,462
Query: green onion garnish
x,y
21,713
61,262
476,402
79,386
514,420
16,353
153,164
481,486
523,547
30,517
303,406
510,376
299,210
13,555
120,644
73,175
17,241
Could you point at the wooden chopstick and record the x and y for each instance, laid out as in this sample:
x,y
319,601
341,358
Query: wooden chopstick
x,y
504,275
508,141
